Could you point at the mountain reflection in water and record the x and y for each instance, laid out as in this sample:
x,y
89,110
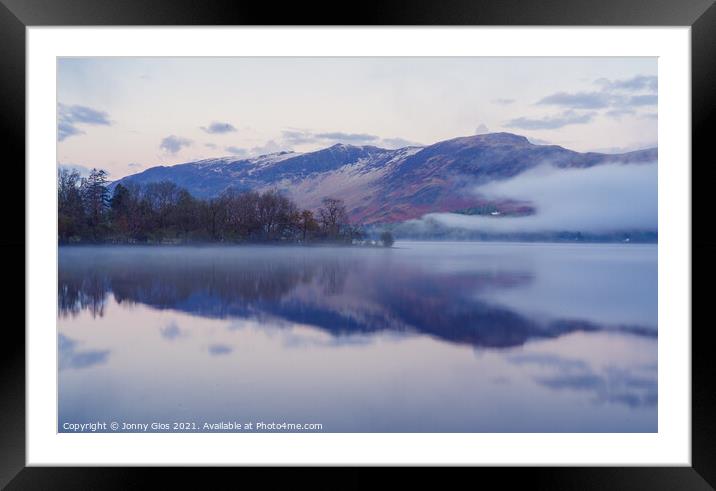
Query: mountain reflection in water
x,y
577,321
335,290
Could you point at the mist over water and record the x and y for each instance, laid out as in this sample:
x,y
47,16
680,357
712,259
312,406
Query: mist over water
x,y
598,199
421,337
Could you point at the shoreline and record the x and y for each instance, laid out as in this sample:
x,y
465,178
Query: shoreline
x,y
350,246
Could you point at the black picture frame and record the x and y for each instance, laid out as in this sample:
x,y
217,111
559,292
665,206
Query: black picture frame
x,y
700,15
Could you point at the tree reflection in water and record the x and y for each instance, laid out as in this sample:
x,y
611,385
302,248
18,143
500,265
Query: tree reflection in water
x,y
336,290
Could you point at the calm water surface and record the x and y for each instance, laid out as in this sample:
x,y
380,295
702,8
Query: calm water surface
x,y
424,337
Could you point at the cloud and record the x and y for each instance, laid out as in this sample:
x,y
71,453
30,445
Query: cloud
x,y
81,169
394,143
619,113
482,129
269,147
503,102
236,151
135,166
172,143
216,127
643,100
611,97
70,116
84,115
213,146
551,122
347,137
299,136
639,82
624,149
66,130
538,141
580,100
599,199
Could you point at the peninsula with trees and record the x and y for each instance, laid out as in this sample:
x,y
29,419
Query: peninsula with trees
x,y
165,213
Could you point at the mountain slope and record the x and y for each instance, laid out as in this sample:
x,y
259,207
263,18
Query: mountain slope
x,y
380,185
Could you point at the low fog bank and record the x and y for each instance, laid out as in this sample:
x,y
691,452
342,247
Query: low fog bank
x,y
597,200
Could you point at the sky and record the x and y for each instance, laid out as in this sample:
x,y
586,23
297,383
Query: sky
x,y
128,114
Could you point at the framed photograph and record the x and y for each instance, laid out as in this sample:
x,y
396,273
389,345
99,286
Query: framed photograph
x,y
443,235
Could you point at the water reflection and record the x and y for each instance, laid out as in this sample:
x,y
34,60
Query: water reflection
x,y
633,386
424,337
336,290
219,349
171,331
71,357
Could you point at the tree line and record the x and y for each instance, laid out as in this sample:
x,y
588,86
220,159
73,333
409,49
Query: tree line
x,y
162,212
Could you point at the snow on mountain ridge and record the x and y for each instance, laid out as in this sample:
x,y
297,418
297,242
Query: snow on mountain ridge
x,y
384,185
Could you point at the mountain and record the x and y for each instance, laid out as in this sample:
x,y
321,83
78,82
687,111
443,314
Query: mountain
x,y
385,186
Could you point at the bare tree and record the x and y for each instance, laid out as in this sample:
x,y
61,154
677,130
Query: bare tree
x,y
162,196
70,211
274,214
333,217
307,225
158,211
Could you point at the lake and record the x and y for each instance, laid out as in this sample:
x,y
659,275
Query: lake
x,y
422,337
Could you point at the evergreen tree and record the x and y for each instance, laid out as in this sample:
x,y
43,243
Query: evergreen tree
x,y
95,198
